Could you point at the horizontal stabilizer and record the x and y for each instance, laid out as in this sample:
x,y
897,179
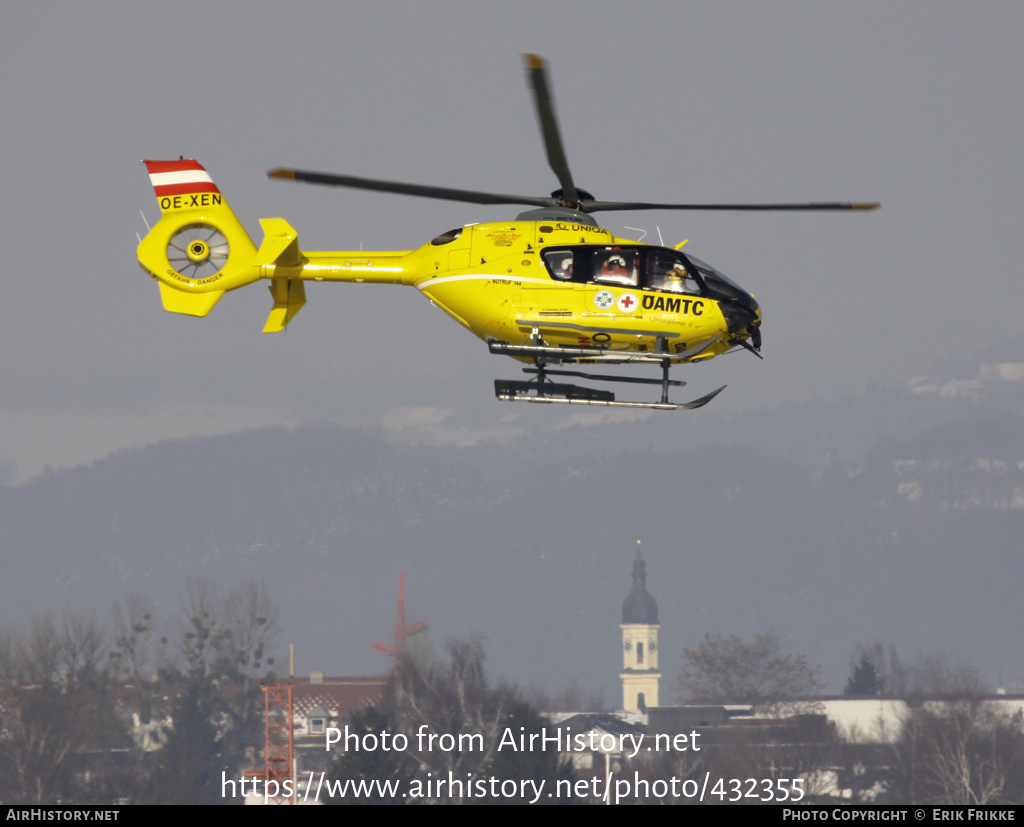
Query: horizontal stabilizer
x,y
280,244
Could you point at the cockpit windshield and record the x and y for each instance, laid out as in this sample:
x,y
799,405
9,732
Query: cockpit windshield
x,y
719,285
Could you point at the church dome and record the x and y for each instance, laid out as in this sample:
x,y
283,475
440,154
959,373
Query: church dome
x,y
639,606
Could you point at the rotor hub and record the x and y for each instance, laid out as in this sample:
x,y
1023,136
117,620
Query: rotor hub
x,y
198,251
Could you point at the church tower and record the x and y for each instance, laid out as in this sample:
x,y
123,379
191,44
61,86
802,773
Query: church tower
x,y
640,675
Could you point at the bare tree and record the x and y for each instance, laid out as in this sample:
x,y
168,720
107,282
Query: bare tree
x,y
453,719
760,672
230,637
57,709
134,637
251,622
132,654
953,745
63,737
958,751
213,667
450,697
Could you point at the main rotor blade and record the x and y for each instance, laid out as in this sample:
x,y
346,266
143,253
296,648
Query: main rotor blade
x,y
549,126
444,193
602,206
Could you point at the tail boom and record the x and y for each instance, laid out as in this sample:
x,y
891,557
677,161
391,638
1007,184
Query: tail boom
x,y
199,250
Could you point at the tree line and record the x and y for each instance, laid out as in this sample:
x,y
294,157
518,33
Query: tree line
x,y
448,696
952,743
151,709
86,707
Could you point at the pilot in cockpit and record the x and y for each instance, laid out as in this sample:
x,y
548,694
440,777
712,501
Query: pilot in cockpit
x,y
673,280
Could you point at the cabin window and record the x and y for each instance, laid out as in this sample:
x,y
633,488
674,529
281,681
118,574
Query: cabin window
x,y
560,264
649,268
447,238
316,725
616,265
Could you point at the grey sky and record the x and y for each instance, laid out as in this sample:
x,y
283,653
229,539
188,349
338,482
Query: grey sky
x,y
916,105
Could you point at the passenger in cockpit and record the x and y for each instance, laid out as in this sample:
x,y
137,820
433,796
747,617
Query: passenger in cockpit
x,y
614,271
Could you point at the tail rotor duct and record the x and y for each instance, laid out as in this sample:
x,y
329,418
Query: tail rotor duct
x,y
198,251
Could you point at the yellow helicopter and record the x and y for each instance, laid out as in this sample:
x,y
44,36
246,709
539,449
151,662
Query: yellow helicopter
x,y
549,288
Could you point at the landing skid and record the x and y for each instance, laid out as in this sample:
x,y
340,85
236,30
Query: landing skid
x,y
542,389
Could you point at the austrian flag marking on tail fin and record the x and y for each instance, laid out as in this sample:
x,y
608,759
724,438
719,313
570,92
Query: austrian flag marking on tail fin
x,y
179,177
182,185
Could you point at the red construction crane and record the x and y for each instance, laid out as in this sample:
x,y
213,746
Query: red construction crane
x,y
401,630
279,746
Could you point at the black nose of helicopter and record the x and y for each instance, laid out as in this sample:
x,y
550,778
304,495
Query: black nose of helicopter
x,y
754,327
743,315
740,309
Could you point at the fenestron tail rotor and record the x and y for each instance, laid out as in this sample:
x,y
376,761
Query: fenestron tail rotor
x,y
198,251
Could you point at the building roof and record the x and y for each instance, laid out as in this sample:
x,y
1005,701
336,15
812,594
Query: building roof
x,y
639,606
342,696
600,723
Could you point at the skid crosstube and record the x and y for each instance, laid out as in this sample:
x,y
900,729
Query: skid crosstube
x,y
596,354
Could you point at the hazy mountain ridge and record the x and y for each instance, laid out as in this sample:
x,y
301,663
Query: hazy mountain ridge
x,y
535,540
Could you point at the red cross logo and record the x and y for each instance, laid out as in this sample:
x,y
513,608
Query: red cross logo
x,y
627,301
